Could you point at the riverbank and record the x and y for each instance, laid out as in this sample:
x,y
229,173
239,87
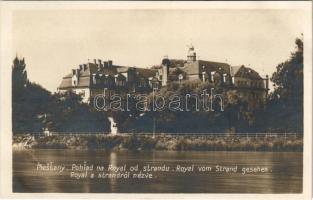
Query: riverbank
x,y
161,142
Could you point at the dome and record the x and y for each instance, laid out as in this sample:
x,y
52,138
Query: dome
x,y
191,51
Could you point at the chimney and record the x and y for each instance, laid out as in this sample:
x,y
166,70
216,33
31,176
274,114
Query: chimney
x,y
110,63
84,67
80,67
95,61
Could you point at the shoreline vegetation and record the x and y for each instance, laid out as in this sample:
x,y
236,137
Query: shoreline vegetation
x,y
280,143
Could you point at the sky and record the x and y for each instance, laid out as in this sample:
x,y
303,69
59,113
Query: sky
x,y
55,41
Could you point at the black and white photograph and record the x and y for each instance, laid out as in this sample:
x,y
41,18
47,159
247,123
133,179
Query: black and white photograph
x,y
157,98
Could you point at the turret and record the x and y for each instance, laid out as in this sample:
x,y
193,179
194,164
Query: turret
x,y
191,56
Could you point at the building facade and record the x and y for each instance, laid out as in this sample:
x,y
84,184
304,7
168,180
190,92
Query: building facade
x,y
246,82
102,77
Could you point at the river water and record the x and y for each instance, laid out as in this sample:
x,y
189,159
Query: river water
x,y
284,173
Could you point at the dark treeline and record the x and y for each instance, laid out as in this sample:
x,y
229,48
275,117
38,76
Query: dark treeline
x,y
284,110
35,108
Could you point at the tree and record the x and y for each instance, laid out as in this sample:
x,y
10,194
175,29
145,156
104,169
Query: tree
x,y
35,108
28,100
288,78
284,110
19,74
67,113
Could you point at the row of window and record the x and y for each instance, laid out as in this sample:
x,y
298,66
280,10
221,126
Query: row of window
x,y
109,82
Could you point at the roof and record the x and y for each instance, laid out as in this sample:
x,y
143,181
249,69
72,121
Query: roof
x,y
84,75
67,82
142,71
195,67
120,77
215,66
177,62
68,76
173,63
234,70
246,72
146,73
92,68
154,79
122,69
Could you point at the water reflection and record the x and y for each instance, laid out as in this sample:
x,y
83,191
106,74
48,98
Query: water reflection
x,y
286,175
113,162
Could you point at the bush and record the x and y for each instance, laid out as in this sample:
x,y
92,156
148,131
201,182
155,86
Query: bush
x,y
147,143
131,143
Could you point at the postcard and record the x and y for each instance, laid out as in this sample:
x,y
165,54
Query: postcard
x,y
150,100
